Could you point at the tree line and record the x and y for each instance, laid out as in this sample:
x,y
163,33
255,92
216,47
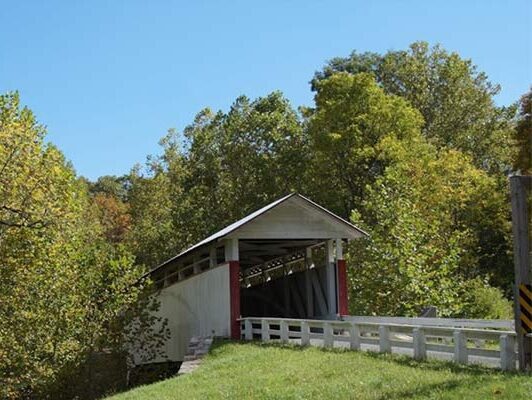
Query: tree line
x,y
409,145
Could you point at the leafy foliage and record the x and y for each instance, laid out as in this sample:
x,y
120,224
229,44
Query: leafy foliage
x,y
352,117
423,245
485,301
456,103
109,185
154,237
65,291
523,136
454,98
114,217
230,164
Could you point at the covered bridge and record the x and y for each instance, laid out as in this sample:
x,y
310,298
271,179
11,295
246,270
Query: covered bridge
x,y
284,260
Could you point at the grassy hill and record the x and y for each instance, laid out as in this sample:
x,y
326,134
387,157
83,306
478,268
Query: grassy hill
x,y
256,371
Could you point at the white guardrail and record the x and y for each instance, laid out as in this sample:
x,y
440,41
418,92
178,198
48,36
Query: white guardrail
x,y
463,341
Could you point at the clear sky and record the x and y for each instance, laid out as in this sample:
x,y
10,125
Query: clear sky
x,y
108,78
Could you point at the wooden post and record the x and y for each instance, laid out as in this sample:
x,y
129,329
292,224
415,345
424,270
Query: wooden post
x,y
420,346
265,330
507,345
212,257
328,339
354,337
308,283
305,333
341,280
283,326
196,266
520,187
286,295
234,293
232,257
331,278
460,347
248,329
165,280
384,339
231,250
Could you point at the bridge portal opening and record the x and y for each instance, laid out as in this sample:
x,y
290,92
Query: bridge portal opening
x,y
286,279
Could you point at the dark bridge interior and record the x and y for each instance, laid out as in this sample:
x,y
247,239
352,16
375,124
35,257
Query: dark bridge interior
x,y
279,279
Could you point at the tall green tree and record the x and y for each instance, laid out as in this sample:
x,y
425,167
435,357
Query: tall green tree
x,y
456,103
352,116
65,292
523,135
156,202
368,145
453,96
224,166
423,247
109,196
110,185
245,158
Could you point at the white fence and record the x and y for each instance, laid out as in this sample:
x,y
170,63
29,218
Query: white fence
x,y
460,344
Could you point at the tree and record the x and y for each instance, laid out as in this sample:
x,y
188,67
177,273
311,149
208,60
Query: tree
x,y
225,166
243,159
423,245
34,178
155,234
523,136
65,292
115,186
114,217
35,197
456,103
352,116
454,98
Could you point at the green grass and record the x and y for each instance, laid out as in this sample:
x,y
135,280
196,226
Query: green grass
x,y
257,371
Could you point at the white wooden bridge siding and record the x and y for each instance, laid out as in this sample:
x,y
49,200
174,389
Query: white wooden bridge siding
x,y
197,306
458,344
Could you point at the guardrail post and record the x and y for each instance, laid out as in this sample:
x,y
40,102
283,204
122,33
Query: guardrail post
x,y
283,325
354,337
248,329
507,344
420,347
384,339
305,333
264,330
327,335
460,347
520,189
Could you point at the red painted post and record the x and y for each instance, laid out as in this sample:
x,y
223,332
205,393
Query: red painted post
x,y
343,308
234,292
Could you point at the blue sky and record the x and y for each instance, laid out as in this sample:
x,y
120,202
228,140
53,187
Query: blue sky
x,y
108,78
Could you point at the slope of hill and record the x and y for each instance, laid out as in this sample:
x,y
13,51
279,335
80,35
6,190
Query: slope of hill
x,y
257,371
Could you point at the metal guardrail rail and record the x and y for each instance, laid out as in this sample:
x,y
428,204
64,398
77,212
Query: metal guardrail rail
x,y
447,322
462,345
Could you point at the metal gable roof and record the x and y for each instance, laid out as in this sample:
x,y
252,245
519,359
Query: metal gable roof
x,y
241,222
